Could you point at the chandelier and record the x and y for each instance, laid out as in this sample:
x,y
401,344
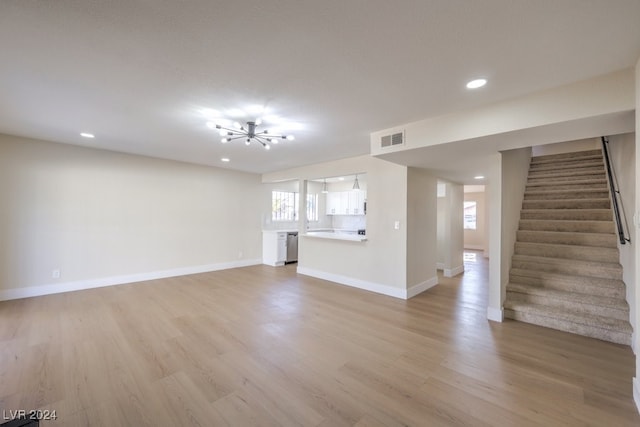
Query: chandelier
x,y
250,133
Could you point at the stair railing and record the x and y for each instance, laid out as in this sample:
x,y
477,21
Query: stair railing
x,y
615,195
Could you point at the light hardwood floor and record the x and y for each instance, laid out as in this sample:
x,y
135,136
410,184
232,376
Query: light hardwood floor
x,y
263,346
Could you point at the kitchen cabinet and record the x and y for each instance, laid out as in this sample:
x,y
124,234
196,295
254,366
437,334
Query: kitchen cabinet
x,y
356,202
333,203
346,202
274,247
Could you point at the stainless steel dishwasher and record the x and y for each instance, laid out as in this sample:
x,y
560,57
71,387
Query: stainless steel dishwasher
x,y
292,247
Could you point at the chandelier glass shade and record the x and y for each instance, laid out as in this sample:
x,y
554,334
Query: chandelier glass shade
x,y
250,133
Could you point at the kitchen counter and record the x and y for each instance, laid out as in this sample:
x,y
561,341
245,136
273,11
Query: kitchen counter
x,y
352,236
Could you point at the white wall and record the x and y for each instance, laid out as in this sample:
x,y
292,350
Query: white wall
x,y
505,194
378,264
494,196
476,239
450,235
441,236
102,217
421,229
515,171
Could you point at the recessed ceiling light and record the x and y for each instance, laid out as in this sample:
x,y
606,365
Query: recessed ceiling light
x,y
341,178
475,84
87,135
478,177
225,159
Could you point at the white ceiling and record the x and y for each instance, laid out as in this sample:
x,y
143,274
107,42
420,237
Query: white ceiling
x,y
138,73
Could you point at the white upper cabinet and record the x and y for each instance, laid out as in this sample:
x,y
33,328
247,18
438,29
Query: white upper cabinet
x,y
346,202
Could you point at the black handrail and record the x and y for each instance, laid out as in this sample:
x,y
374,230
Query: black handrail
x,y
614,192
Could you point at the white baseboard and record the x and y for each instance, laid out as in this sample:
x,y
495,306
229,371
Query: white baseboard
x,y
474,247
358,283
440,266
636,392
451,272
56,288
495,314
421,287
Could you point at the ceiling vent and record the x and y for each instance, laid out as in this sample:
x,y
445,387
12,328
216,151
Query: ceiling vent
x,y
392,140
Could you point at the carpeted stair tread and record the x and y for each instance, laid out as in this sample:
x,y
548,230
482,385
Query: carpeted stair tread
x,y
583,309
581,193
573,252
567,204
546,278
590,320
567,225
541,160
548,260
603,328
564,156
570,297
568,214
569,181
605,270
562,178
573,164
601,240
569,173
594,184
564,172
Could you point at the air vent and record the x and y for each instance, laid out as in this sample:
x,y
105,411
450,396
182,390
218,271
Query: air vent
x,y
391,140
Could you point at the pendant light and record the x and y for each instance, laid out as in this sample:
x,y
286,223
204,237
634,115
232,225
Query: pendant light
x,y
356,184
324,186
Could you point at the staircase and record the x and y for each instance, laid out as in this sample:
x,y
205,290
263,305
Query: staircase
x,y
565,271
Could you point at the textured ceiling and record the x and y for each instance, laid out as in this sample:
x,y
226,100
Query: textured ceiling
x,y
139,73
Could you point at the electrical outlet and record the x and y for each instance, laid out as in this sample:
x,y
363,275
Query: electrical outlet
x,y
396,225
55,274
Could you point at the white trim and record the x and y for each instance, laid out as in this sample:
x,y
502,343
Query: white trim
x,y
451,272
440,266
421,287
56,288
636,392
356,283
474,247
495,314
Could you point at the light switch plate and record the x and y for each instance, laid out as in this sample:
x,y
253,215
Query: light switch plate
x,y
396,225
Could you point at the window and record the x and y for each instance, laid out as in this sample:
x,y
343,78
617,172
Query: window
x,y
470,215
312,207
284,206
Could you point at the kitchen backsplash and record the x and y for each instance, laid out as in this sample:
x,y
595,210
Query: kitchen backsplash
x,y
343,222
349,222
